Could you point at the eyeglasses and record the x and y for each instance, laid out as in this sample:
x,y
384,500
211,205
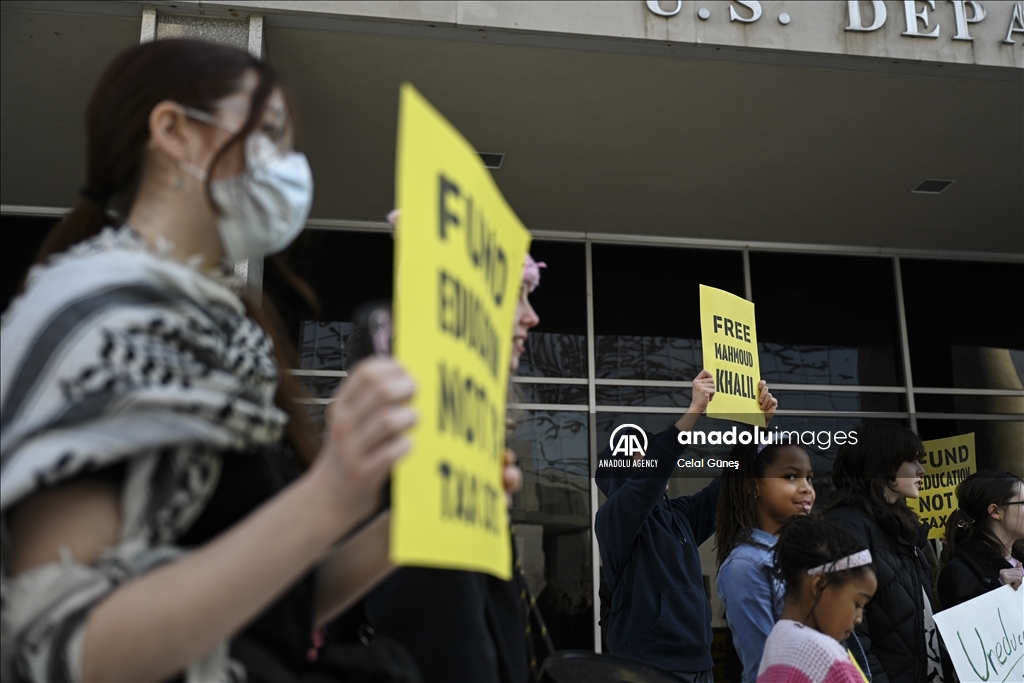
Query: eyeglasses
x,y
1015,502
276,134
207,117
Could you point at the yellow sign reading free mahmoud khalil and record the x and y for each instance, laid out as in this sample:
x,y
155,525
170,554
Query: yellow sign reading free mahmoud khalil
x,y
729,341
458,266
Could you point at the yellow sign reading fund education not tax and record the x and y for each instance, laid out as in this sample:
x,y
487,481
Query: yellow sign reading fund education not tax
x,y
947,462
729,340
458,266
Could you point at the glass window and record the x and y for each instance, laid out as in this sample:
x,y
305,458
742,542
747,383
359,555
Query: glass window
x,y
344,269
661,397
842,401
566,394
23,235
826,319
963,331
953,403
552,521
647,307
557,347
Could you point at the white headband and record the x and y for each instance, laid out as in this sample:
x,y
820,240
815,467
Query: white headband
x,y
858,559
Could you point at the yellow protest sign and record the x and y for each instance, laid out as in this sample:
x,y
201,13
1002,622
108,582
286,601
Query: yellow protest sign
x,y
947,462
729,340
459,254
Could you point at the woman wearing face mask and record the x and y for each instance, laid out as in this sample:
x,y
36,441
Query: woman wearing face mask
x,y
164,509
873,478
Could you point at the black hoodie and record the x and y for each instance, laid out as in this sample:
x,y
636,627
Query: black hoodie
x,y
648,543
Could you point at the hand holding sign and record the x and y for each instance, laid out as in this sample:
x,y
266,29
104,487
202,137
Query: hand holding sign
x,y
367,424
703,392
512,476
1011,577
769,404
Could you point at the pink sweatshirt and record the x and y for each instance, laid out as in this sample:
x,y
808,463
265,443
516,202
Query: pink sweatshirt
x,y
795,653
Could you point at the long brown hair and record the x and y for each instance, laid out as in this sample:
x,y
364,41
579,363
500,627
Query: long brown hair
x,y
197,74
863,469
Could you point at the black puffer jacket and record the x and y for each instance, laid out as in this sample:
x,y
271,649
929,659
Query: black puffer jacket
x,y
893,629
973,570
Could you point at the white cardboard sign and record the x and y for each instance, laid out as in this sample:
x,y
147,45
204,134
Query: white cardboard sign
x,y
985,636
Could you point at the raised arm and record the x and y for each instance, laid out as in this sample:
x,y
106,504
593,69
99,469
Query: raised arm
x,y
623,515
700,508
179,611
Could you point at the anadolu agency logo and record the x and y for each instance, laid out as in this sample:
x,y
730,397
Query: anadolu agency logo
x,y
628,444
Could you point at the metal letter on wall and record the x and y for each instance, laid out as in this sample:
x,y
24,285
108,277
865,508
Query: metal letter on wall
x,y
1016,24
656,8
754,7
910,10
857,24
960,9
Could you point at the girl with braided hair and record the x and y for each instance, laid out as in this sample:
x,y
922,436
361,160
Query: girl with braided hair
x,y
829,580
772,484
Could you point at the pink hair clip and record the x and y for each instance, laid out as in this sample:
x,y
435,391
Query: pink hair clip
x,y
531,273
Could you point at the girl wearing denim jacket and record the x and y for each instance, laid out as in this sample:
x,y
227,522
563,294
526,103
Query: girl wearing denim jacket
x,y
771,484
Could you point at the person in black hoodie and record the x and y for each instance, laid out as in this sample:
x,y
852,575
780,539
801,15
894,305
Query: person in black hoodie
x,y
980,535
873,477
648,542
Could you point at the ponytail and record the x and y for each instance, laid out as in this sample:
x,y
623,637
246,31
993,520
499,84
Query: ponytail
x,y
971,519
86,219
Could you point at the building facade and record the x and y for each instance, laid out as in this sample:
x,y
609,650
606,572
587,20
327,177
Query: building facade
x,y
854,168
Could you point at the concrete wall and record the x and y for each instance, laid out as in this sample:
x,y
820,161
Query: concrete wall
x,y
827,28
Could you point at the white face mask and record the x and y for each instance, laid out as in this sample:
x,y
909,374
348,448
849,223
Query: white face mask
x,y
265,207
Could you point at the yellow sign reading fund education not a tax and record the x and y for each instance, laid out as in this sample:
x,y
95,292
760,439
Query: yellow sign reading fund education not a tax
x,y
947,462
458,266
729,340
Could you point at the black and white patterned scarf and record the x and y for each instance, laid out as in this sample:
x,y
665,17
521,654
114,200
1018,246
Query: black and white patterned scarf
x,y
117,353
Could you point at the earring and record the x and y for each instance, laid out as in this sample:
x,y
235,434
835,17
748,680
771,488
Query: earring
x,y
176,181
